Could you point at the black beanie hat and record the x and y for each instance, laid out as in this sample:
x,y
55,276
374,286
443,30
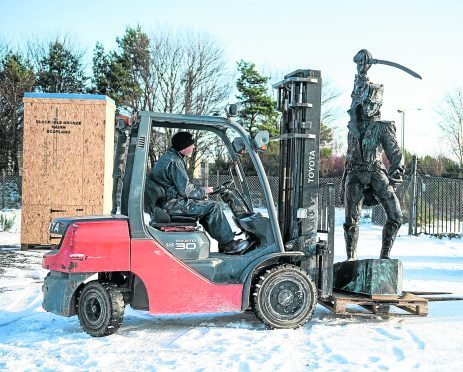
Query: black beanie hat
x,y
181,140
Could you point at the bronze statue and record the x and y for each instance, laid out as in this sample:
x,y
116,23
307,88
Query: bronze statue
x,y
366,181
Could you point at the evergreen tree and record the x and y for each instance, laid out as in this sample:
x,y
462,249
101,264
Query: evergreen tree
x,y
257,106
16,77
326,135
124,75
440,166
101,71
60,70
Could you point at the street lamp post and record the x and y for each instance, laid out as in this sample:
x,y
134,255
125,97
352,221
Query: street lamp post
x,y
412,206
402,127
402,130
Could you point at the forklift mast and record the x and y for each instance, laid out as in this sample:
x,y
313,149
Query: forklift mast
x,y
299,101
120,157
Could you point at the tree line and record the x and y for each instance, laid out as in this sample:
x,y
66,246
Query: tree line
x,y
165,73
183,73
171,72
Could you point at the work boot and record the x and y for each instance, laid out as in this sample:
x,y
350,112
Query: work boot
x,y
390,230
235,247
351,236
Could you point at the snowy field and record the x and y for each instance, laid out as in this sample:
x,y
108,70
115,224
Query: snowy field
x,y
31,339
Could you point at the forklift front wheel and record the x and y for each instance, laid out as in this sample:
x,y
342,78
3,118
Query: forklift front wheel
x,y
284,297
100,309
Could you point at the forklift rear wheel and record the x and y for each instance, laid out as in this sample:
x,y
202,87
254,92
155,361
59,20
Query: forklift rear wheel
x,y
100,309
285,297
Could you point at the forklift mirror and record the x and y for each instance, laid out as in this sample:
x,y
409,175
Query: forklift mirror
x,y
232,110
238,146
261,140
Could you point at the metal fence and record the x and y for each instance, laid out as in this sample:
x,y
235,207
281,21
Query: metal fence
x,y
437,201
434,204
255,189
439,205
378,216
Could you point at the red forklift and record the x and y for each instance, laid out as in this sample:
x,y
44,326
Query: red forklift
x,y
165,264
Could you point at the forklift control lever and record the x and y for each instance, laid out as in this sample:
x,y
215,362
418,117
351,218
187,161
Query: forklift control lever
x,y
222,187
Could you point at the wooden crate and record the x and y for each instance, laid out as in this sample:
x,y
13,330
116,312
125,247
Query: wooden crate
x,y
68,152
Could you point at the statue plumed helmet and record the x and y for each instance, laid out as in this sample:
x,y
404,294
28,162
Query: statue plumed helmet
x,y
372,99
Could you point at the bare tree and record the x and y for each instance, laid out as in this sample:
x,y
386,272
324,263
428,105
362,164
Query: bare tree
x,y
207,86
191,78
451,113
330,108
167,65
190,73
4,48
206,80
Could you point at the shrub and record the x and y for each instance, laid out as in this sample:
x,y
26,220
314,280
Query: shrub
x,y
6,222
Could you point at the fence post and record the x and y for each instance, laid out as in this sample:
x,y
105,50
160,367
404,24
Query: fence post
x,y
206,173
412,212
3,187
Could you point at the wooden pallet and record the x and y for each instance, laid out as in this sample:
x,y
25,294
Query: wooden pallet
x,y
408,302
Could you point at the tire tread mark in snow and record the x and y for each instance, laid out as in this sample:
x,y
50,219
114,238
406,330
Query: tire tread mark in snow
x,y
418,342
26,312
170,338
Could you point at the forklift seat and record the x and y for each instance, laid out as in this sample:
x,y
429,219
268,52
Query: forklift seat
x,y
154,199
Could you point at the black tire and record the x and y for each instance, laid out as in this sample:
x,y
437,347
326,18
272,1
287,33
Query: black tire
x,y
284,297
100,309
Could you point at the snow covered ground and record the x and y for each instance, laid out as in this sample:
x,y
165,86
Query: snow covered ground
x,y
31,339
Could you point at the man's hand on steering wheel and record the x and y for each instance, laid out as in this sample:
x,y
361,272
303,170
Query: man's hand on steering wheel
x,y
208,190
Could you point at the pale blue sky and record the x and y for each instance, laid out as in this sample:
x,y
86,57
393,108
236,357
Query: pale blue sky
x,y
279,36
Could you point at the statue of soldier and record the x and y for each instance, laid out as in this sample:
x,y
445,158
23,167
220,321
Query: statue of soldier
x,y
366,181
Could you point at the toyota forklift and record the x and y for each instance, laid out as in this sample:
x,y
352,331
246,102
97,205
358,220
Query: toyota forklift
x,y
164,264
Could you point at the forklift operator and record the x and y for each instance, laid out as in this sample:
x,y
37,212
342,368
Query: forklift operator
x,y
182,198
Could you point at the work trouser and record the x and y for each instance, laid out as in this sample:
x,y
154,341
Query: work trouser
x,y
355,185
208,212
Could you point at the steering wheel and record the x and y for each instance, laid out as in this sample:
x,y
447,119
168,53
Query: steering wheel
x,y
221,188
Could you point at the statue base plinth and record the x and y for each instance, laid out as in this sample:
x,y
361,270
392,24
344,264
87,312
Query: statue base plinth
x,y
372,277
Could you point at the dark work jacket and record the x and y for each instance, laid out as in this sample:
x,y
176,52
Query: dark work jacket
x,y
170,172
364,152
